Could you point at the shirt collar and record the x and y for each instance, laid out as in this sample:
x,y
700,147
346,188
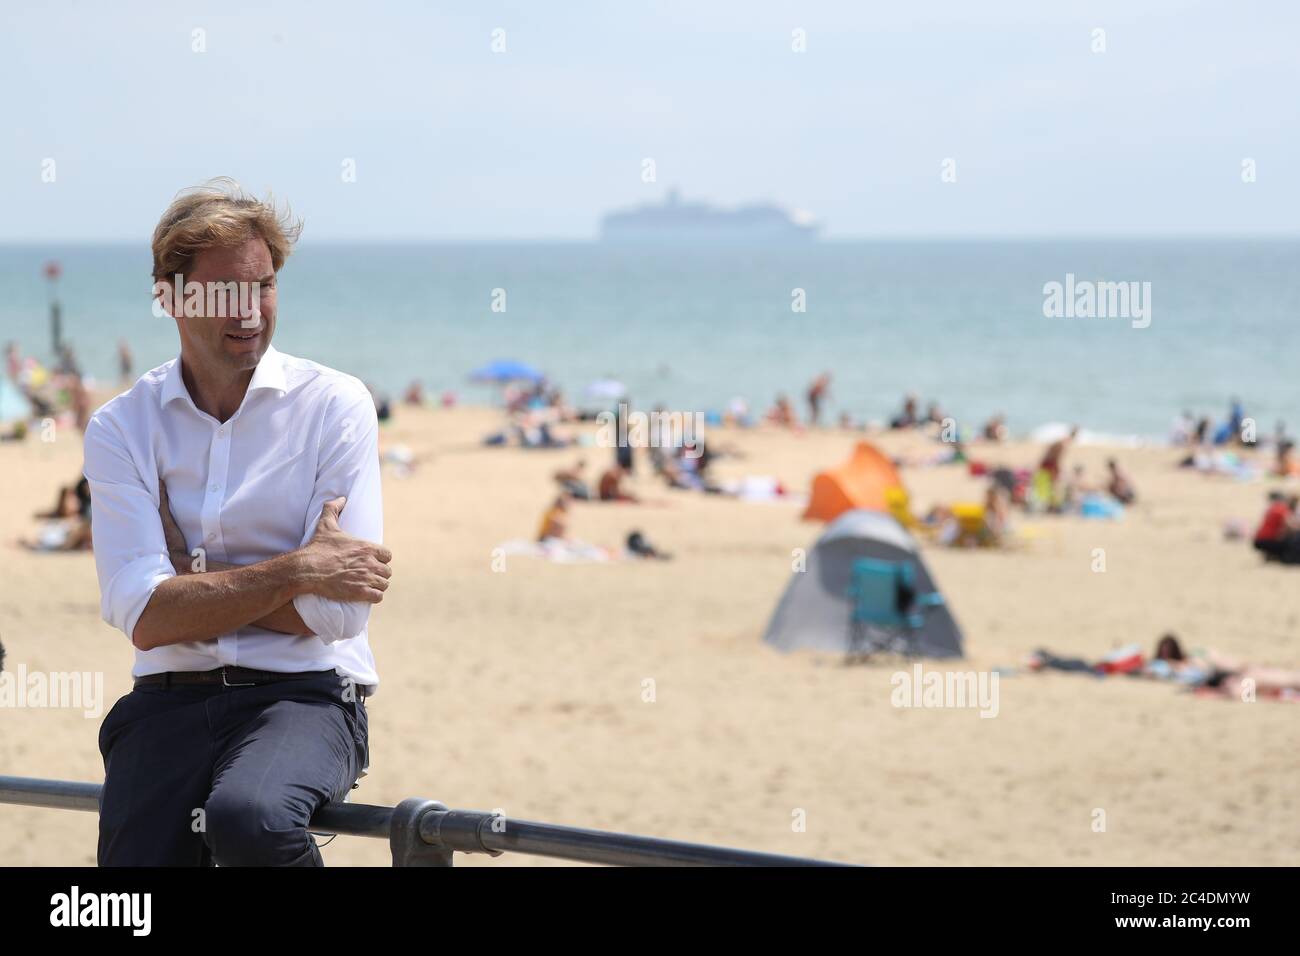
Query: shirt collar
x,y
269,374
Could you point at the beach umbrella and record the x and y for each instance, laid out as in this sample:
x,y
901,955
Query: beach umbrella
x,y
506,370
606,388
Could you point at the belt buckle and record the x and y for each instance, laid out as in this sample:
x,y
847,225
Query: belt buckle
x,y
227,683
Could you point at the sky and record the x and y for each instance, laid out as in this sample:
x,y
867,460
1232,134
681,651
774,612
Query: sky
x,y
451,139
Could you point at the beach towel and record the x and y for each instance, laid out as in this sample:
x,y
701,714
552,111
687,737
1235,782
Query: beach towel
x,y
1099,506
554,549
760,488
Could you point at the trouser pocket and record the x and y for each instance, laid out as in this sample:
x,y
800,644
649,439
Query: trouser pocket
x,y
361,730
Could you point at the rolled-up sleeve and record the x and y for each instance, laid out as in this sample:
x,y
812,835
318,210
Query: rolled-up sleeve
x,y
130,550
349,468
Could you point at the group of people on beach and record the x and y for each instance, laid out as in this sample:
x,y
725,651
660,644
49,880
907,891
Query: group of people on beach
x,y
1068,493
554,527
57,396
1200,431
682,461
610,487
910,417
534,412
1049,488
59,392
534,409
782,412
1215,449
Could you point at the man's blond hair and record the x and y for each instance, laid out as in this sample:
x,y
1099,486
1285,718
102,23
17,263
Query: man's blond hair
x,y
218,214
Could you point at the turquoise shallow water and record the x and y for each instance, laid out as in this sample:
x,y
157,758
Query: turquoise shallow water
x,y
695,326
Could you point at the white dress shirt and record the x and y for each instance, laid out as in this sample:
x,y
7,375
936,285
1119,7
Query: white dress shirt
x,y
243,490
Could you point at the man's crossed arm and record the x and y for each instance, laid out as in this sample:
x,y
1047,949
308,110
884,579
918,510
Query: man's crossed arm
x,y
201,606
326,586
284,620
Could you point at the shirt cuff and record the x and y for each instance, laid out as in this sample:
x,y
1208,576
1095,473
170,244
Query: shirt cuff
x,y
332,621
128,594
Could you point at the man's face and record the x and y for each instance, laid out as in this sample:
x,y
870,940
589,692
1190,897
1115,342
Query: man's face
x,y
233,338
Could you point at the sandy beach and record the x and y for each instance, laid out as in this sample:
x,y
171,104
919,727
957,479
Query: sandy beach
x,y
524,689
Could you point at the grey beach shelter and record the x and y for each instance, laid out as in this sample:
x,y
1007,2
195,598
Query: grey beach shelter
x,y
864,589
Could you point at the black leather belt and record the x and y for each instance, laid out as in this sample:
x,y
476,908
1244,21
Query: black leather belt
x,y
233,677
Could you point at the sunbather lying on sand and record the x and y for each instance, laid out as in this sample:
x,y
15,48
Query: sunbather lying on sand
x,y
1209,671
1205,670
67,527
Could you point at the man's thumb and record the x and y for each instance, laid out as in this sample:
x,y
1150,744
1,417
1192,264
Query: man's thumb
x,y
331,509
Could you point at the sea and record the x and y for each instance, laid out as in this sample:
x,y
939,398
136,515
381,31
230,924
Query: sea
x,y
959,323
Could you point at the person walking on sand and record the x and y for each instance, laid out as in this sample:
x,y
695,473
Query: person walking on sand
x,y
623,448
125,362
1054,457
13,361
238,528
816,394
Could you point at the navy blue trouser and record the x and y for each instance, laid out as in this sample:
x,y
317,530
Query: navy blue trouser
x,y
197,774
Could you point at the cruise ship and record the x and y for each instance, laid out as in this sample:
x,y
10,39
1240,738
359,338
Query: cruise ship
x,y
676,221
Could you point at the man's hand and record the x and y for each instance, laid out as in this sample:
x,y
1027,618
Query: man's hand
x,y
341,567
333,565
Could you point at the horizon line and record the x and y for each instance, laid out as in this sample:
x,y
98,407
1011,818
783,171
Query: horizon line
x,y
761,243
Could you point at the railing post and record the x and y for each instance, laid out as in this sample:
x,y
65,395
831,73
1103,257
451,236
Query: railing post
x,y
409,848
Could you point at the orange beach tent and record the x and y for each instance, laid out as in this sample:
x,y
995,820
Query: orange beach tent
x,y
868,480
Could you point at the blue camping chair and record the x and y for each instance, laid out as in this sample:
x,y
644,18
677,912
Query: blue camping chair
x,y
885,611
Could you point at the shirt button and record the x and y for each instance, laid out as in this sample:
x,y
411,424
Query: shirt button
x,y
212,536
221,433
214,487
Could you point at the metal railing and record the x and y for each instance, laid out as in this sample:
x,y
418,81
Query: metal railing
x,y
426,833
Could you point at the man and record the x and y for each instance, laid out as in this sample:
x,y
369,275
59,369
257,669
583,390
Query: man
x,y
623,449
237,511
816,393
125,361
1054,457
